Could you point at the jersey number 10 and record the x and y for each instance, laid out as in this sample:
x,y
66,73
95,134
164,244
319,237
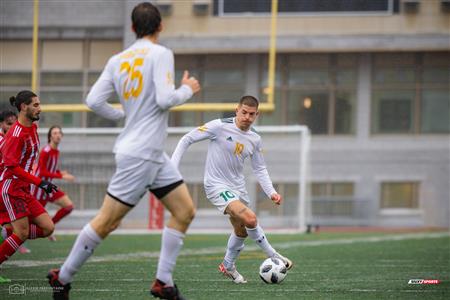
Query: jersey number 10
x,y
129,88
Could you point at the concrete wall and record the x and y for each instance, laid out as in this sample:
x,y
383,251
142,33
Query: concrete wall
x,y
364,158
186,33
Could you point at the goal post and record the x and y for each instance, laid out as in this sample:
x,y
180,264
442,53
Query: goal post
x,y
87,153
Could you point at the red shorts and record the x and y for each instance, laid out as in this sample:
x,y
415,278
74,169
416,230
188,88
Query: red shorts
x,y
51,197
16,202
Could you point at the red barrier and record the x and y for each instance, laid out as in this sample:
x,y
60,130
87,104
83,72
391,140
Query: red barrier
x,y
155,213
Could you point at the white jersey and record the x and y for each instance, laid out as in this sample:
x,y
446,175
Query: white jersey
x,y
228,148
142,76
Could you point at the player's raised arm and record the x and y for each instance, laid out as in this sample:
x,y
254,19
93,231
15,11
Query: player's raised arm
x,y
207,131
102,90
166,94
260,170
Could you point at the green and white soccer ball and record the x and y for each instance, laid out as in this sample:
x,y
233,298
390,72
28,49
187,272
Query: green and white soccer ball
x,y
272,270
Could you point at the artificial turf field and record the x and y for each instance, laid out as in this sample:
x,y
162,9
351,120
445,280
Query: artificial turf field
x,y
327,266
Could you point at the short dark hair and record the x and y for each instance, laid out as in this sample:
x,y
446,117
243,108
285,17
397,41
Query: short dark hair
x,y
7,114
146,19
249,101
49,134
22,97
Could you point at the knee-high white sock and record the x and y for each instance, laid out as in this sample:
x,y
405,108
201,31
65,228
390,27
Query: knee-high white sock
x,y
234,248
171,243
83,248
257,234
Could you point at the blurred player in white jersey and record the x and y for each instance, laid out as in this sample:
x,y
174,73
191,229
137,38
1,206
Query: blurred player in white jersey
x,y
142,76
232,140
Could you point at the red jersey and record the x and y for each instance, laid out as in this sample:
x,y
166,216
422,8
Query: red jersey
x,y
20,148
2,140
47,169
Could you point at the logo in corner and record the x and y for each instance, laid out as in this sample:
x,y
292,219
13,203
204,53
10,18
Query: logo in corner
x,y
424,281
16,289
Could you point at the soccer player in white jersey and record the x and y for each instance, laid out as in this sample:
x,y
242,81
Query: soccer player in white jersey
x,y
142,75
232,140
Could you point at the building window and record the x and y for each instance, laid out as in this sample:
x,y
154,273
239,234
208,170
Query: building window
x,y
67,71
15,71
15,79
411,93
393,111
399,195
231,7
10,83
435,111
289,193
223,80
332,198
317,90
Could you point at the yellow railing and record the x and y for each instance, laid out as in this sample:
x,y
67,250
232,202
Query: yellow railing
x,y
185,107
269,105
34,67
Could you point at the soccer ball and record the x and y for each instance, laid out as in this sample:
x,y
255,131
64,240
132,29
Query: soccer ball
x,y
272,270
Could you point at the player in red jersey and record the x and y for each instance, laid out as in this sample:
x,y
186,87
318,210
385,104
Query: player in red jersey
x,y
48,170
27,216
7,119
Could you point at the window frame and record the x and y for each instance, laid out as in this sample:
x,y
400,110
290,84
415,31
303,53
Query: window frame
x,y
218,11
417,87
331,88
394,211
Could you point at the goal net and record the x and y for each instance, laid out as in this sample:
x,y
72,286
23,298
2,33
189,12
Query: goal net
x,y
87,153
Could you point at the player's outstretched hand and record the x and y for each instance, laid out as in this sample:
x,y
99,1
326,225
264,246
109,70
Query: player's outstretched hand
x,y
67,176
191,82
276,198
48,187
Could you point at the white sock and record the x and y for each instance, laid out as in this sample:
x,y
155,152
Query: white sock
x,y
171,243
83,248
234,247
257,234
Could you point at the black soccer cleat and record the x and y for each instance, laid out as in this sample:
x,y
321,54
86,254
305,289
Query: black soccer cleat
x,y
60,291
160,290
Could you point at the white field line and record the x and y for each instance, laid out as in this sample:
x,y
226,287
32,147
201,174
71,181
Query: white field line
x,y
218,250
243,290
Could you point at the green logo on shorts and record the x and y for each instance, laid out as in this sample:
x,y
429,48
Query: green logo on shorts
x,y
227,195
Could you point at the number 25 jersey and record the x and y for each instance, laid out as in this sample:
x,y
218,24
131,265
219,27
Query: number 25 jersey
x,y
142,76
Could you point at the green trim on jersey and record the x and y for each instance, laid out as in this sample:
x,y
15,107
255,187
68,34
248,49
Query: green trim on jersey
x,y
227,120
